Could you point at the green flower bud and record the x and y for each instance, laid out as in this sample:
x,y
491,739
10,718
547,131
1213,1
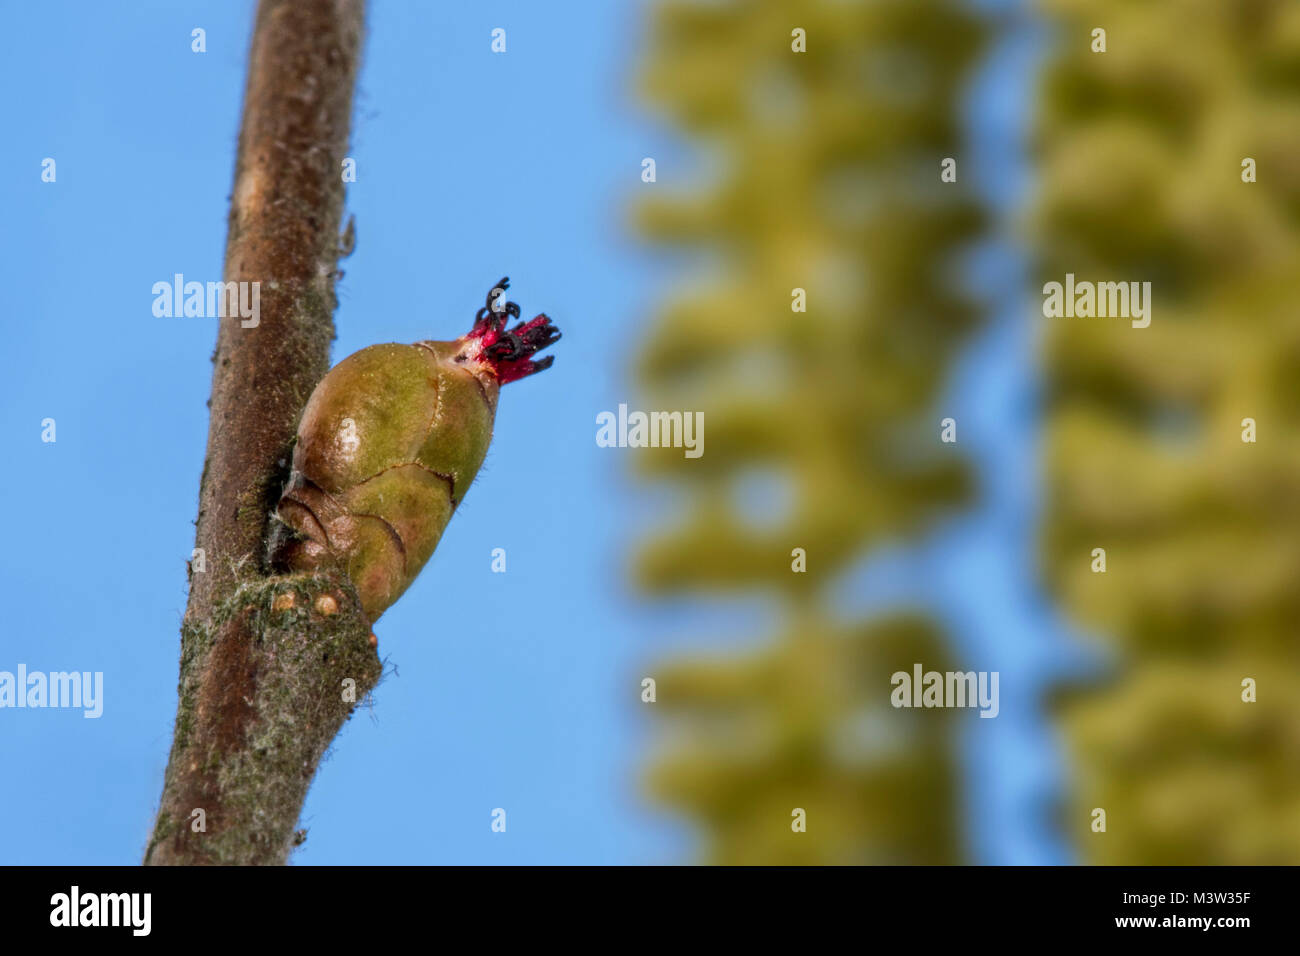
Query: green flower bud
x,y
389,443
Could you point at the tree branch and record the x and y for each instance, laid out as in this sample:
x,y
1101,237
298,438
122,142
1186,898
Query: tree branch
x,y
264,659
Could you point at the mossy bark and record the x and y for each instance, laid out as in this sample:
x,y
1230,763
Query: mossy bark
x,y
245,750
261,691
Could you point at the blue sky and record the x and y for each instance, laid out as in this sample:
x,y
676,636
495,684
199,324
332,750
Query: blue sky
x,y
470,166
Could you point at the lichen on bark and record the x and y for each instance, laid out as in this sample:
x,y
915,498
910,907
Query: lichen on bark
x,y
308,664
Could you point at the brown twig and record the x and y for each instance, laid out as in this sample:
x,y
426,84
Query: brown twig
x,y
265,663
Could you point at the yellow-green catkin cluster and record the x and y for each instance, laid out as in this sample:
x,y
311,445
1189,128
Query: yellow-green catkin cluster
x,y
817,351
1170,153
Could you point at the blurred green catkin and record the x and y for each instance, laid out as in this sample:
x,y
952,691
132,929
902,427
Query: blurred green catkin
x,y
1141,151
822,174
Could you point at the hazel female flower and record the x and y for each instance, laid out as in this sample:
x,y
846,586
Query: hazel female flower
x,y
389,443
